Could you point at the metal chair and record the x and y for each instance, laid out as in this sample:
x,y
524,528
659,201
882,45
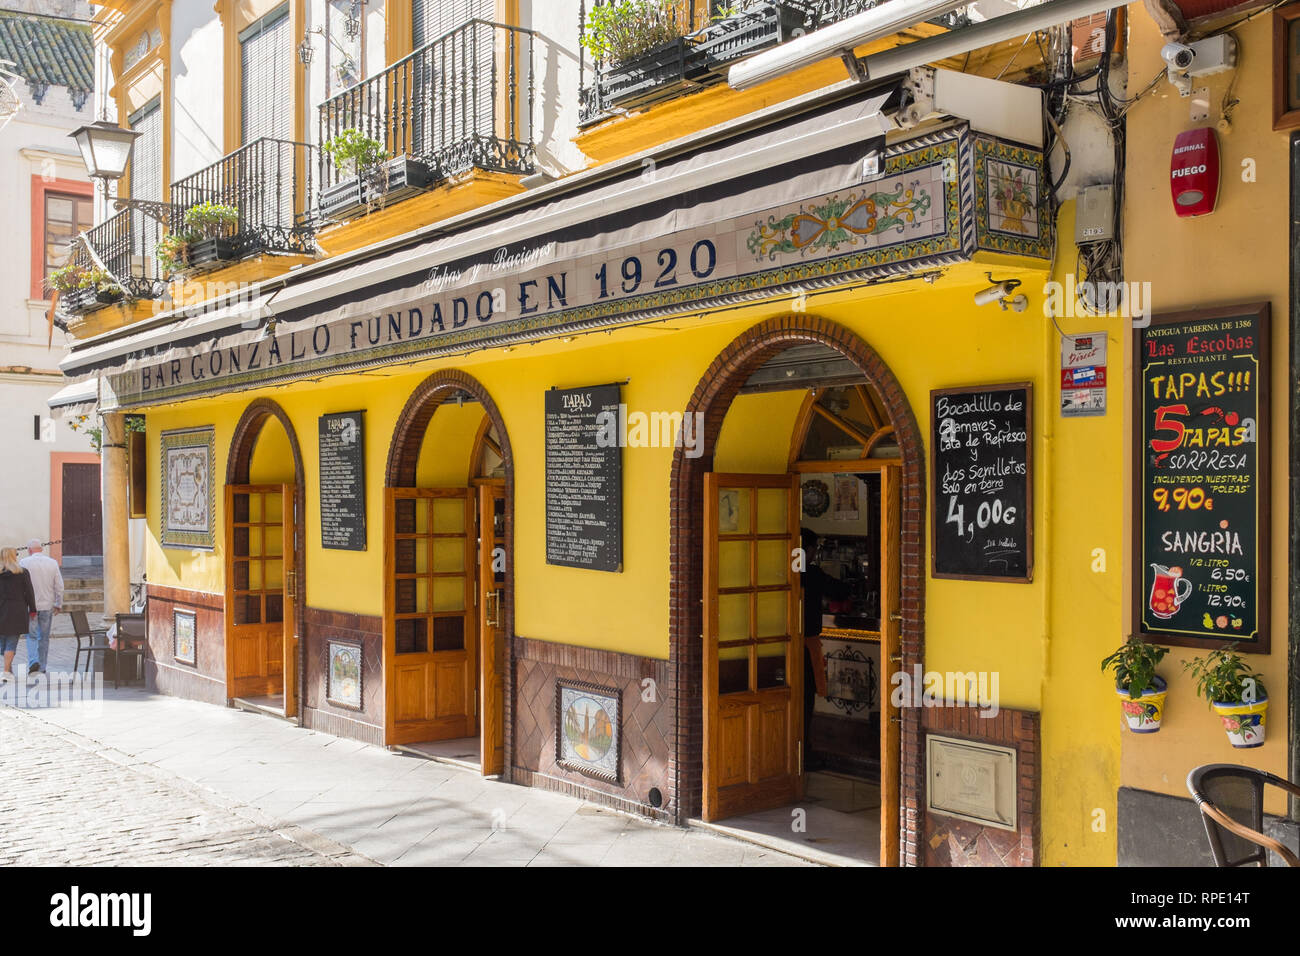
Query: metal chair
x,y
89,639
132,634
1231,800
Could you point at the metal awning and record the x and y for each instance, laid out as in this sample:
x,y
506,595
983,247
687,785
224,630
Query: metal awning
x,y
76,398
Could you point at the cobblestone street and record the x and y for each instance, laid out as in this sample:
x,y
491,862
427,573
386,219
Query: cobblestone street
x,y
65,804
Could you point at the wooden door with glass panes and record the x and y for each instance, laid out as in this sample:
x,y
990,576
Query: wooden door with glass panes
x,y
430,620
753,674
492,590
259,613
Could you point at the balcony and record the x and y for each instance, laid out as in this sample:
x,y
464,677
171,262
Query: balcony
x,y
691,47
115,264
266,191
461,103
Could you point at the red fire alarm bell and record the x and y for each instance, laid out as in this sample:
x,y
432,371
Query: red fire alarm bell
x,y
1194,172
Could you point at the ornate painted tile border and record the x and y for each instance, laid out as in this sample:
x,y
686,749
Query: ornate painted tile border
x,y
1011,209
188,488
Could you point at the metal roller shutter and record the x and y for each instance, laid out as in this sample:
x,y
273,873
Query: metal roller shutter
x,y
431,19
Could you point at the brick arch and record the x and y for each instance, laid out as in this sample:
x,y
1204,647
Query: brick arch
x,y
238,463
713,396
400,472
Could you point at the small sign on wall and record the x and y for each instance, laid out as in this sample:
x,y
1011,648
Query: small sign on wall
x,y
1083,375
972,781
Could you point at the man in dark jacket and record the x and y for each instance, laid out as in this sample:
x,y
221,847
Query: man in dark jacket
x,y
17,607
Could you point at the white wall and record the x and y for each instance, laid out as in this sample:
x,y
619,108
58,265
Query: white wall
x,y
197,102
555,107
35,143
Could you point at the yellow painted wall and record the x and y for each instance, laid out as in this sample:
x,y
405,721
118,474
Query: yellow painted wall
x,y
1236,255
1044,638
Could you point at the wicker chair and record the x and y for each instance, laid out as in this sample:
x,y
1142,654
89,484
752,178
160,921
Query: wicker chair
x,y
1231,800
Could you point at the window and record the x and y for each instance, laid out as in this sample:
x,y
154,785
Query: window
x,y
145,177
431,19
137,459
66,216
266,78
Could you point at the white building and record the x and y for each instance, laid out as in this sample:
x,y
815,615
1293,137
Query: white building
x,y
49,482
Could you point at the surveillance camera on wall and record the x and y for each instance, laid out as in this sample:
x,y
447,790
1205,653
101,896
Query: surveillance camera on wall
x,y
1201,58
996,292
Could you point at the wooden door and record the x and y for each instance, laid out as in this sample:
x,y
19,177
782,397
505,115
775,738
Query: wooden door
x,y
890,659
256,554
289,630
492,591
83,530
430,619
753,674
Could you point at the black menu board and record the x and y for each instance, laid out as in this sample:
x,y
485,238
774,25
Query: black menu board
x,y
982,482
342,482
1201,463
584,478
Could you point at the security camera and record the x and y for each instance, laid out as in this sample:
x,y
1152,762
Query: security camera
x,y
996,292
1178,55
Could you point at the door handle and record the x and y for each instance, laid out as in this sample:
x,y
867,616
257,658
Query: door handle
x,y
291,584
492,607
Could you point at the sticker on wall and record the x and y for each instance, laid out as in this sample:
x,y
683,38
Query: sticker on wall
x,y
184,633
343,677
587,732
188,493
1083,375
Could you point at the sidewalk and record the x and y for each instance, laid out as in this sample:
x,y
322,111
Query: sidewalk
x,y
391,808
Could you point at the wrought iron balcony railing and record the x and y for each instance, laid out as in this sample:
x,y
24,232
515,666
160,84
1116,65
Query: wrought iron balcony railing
x,y
463,101
269,182
710,35
123,246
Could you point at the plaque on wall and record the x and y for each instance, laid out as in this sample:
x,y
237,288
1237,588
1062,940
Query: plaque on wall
x,y
342,481
588,730
1201,420
584,480
971,781
189,501
981,517
184,634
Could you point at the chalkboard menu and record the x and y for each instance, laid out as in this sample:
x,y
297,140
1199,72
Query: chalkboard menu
x,y
1201,423
981,502
584,479
342,482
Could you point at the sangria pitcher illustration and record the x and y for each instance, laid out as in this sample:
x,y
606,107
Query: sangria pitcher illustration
x,y
1169,590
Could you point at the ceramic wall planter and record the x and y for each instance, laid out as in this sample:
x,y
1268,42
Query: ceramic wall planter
x,y
1243,722
1144,714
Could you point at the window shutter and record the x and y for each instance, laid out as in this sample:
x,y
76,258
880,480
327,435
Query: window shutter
x,y
266,78
145,178
430,19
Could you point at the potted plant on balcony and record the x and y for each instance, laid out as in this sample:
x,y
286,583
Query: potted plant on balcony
x,y
642,50
368,177
84,289
212,227
1141,690
746,28
1234,691
172,251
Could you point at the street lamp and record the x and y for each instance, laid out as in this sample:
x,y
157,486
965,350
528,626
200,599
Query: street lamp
x,y
105,149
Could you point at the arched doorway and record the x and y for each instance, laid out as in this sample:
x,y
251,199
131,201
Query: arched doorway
x,y
265,561
759,750
448,540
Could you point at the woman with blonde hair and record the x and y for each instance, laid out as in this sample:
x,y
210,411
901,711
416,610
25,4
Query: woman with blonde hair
x,y
17,607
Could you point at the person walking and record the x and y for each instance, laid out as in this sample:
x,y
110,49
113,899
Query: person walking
x,y
47,584
17,607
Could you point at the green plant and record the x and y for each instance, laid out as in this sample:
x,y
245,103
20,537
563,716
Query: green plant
x,y
1134,664
172,249
616,32
209,219
67,278
352,151
94,432
100,280
1223,677
134,423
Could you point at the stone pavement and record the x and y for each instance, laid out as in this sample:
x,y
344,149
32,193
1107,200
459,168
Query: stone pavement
x,y
350,801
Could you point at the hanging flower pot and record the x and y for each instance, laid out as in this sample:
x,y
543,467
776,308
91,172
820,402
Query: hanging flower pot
x,y
1243,721
1144,714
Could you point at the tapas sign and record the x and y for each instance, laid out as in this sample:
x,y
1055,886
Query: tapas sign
x,y
1201,419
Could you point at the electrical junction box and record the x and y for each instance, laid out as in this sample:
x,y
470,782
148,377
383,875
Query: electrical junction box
x,y
1094,215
